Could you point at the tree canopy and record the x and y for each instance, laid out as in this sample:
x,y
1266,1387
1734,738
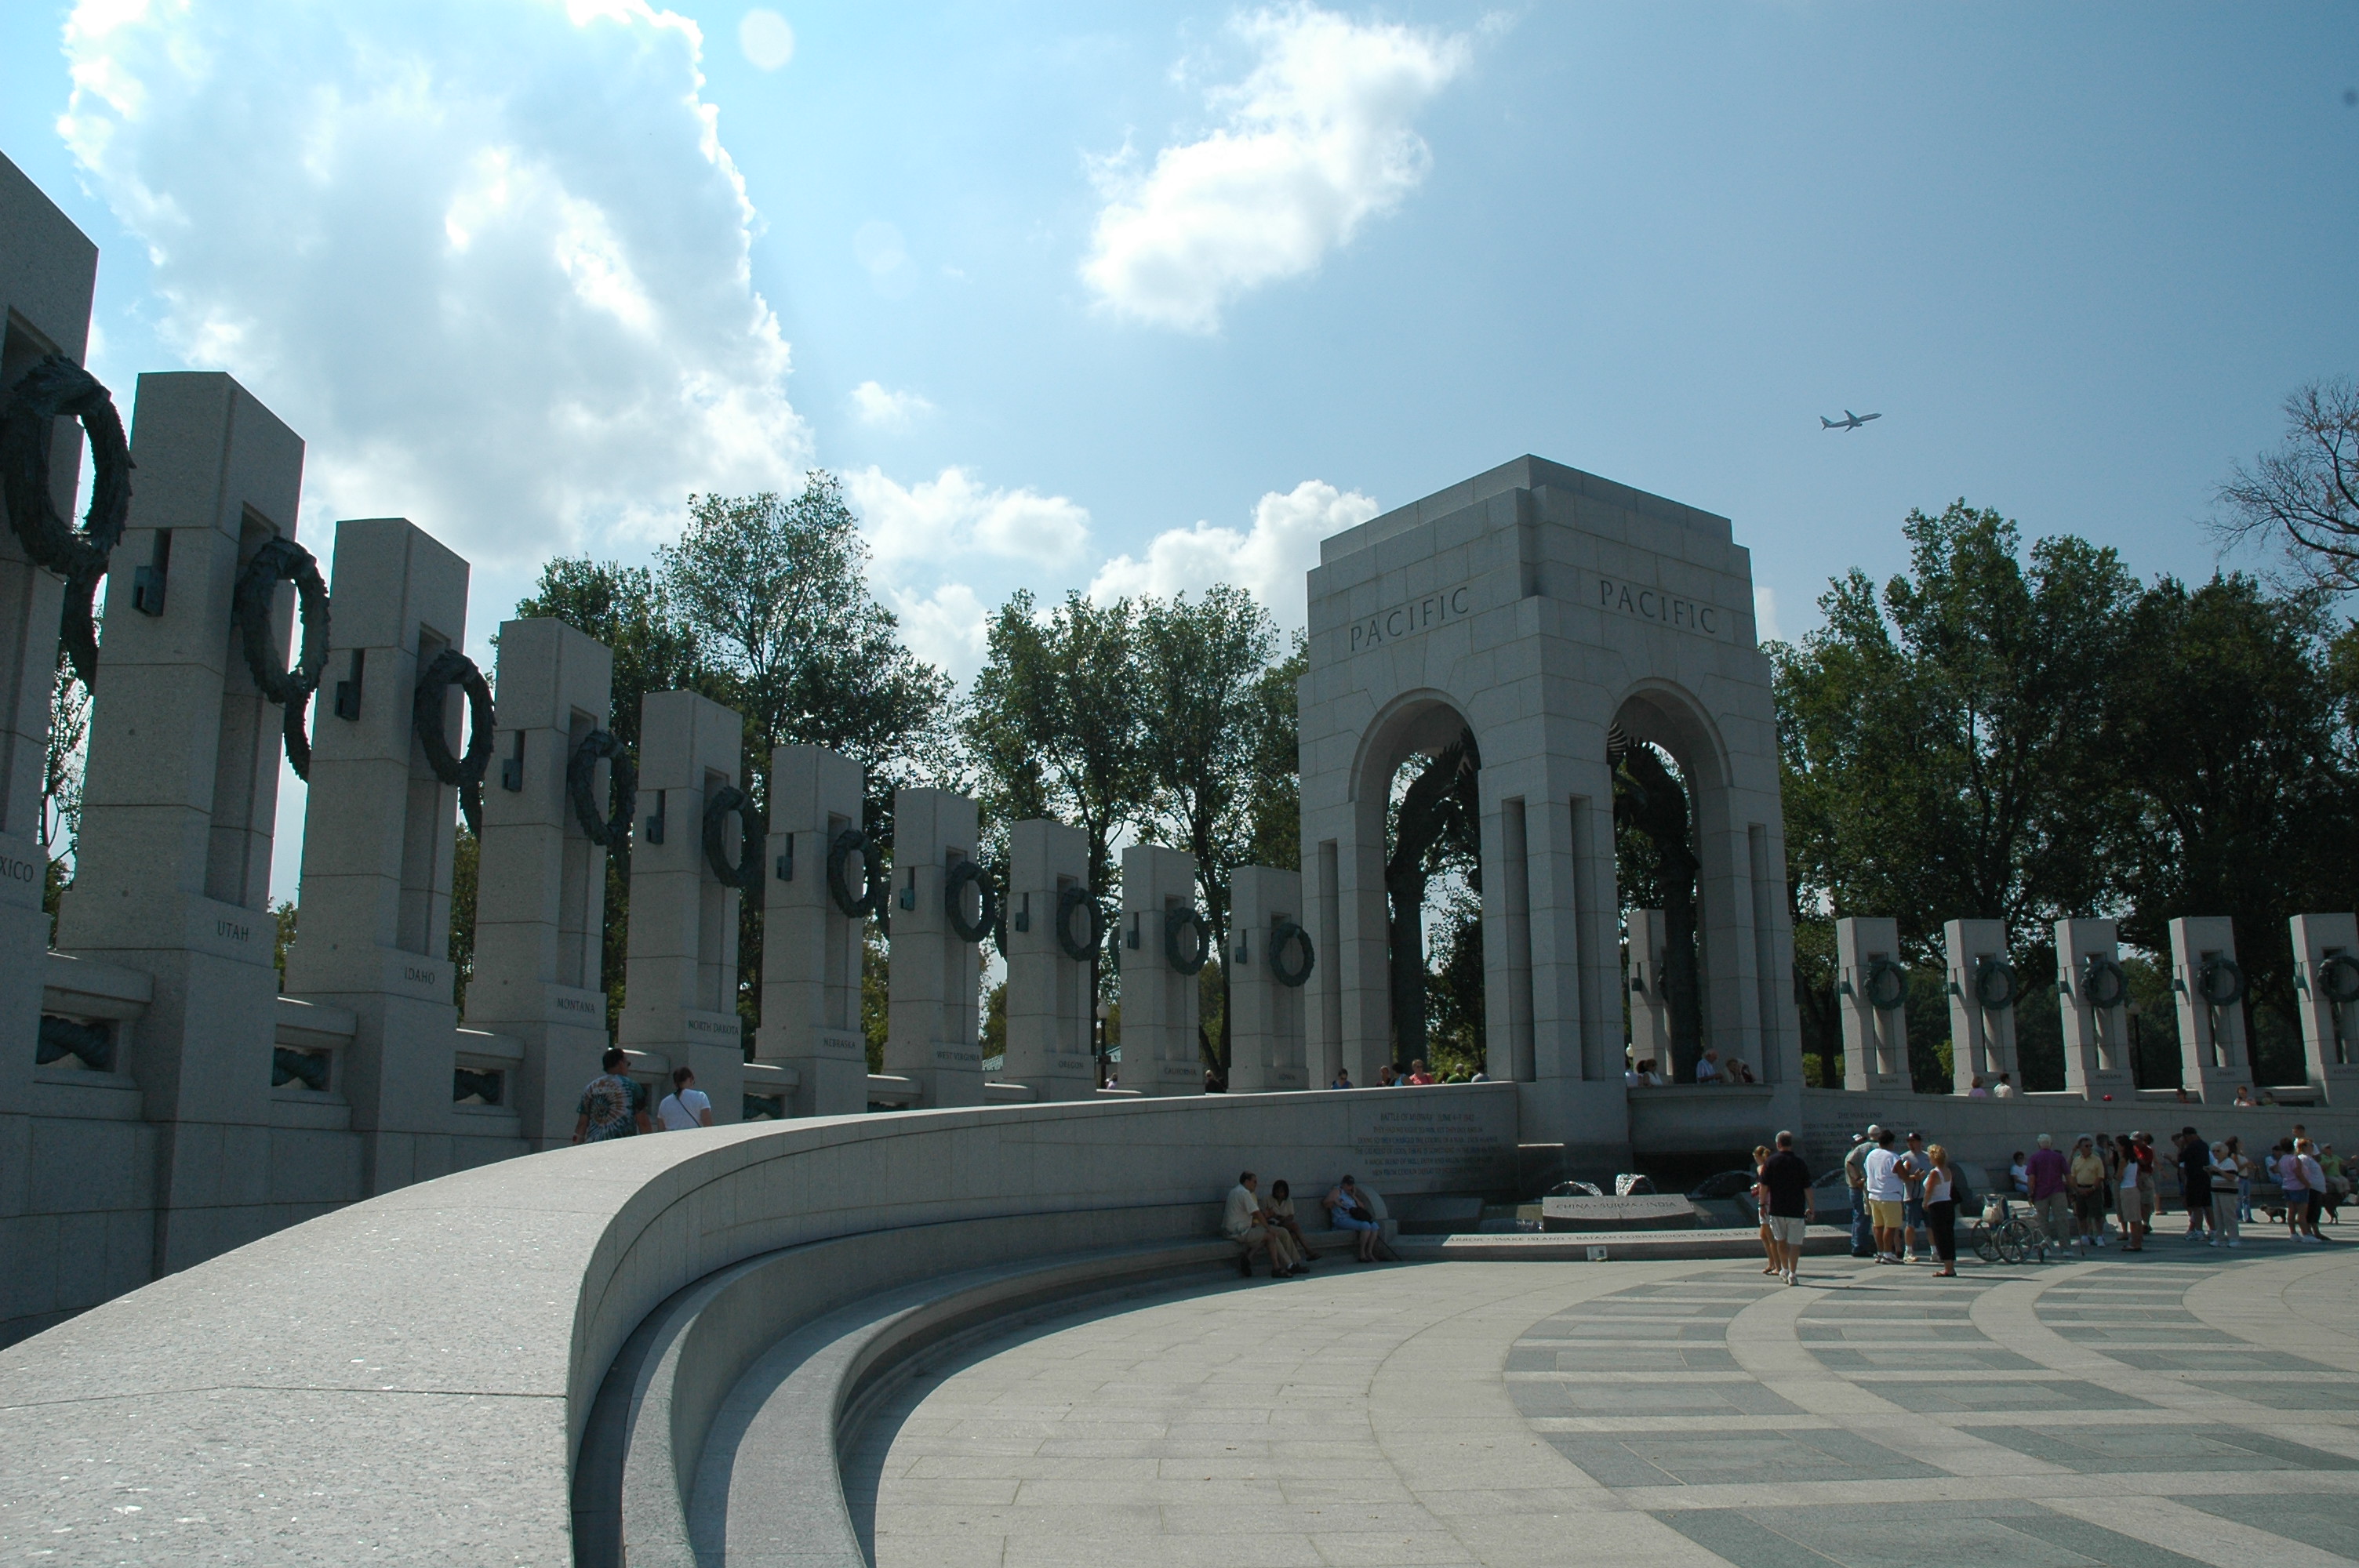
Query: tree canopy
x,y
2033,736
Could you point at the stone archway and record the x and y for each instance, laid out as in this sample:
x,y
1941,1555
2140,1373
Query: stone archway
x,y
1538,606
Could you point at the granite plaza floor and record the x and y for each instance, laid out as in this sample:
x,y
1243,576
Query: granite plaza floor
x,y
2185,1405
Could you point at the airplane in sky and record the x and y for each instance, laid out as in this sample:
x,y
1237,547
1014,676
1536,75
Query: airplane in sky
x,y
1850,421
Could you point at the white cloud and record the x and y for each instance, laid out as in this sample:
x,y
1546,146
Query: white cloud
x,y
947,627
1269,560
767,42
1765,614
885,409
951,515
491,261
1315,140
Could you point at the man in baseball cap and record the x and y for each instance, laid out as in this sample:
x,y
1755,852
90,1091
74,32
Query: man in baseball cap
x,y
1863,1240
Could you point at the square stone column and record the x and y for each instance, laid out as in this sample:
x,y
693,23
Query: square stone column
x,y
2214,1057
810,948
1265,1013
1050,1008
2094,997
680,989
181,799
934,1032
2326,965
1160,1006
1650,1007
379,833
1982,1037
1876,1037
540,880
48,268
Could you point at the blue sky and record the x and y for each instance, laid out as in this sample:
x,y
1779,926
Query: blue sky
x,y
1148,297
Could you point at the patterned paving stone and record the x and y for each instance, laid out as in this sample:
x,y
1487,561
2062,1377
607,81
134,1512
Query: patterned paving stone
x,y
2156,1412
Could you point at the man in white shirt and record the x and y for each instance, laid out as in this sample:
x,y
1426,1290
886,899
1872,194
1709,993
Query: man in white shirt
x,y
686,1106
1887,1197
1708,1067
1240,1222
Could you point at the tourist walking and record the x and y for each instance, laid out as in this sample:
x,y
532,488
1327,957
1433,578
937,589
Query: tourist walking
x,y
1887,1197
1790,1205
2128,1201
613,1106
686,1106
2313,1180
1761,1209
1941,1210
2247,1169
2084,1179
2149,1184
2051,1205
2226,1195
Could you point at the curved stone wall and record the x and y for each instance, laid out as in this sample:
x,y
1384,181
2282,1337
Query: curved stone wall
x,y
408,1379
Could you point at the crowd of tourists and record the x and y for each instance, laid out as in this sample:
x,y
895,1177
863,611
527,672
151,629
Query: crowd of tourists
x,y
2105,1190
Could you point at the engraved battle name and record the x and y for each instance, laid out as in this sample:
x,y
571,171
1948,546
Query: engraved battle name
x,y
1648,602
1420,614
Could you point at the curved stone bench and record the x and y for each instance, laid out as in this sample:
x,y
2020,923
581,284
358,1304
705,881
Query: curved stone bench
x,y
755,1352
409,1379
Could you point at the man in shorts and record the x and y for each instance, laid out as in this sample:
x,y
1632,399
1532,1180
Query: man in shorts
x,y
1887,1197
1792,1207
2084,1180
1914,1166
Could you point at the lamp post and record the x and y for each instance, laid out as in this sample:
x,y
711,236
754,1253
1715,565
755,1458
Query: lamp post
x,y
1104,1012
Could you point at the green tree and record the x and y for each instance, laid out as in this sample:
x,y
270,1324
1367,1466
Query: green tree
x,y
2242,798
1206,706
1946,744
1054,726
774,590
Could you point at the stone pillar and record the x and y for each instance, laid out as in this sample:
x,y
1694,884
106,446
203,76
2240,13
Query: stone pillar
x,y
48,268
934,1032
1050,1008
1875,1025
2215,1058
1265,1013
680,991
1160,1006
180,800
2094,997
1982,1037
2326,965
1650,1007
540,880
810,948
379,831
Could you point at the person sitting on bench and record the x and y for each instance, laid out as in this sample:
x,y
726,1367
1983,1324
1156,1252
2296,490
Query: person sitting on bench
x,y
1242,1223
1346,1212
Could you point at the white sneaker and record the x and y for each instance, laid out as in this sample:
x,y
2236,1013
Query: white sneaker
x,y
2102,1241
2237,1241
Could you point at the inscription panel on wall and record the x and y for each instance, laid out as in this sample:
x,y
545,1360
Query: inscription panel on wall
x,y
1405,1142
